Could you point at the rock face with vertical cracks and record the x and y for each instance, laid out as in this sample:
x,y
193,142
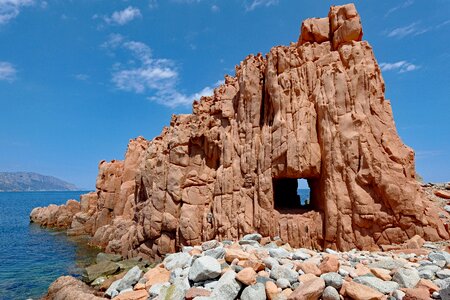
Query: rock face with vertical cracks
x,y
313,110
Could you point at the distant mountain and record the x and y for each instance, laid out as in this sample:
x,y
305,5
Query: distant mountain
x,y
28,181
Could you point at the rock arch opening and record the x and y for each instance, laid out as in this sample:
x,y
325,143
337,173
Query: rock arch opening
x,y
293,194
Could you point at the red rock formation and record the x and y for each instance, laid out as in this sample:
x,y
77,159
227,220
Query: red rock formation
x,y
313,110
69,288
56,216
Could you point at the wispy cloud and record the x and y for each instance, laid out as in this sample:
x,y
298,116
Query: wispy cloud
x,y
423,154
173,98
401,6
114,40
414,29
81,77
186,1
411,29
447,22
121,17
10,9
156,78
7,71
400,66
152,4
215,8
251,5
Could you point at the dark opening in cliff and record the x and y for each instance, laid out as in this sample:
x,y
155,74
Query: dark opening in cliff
x,y
291,194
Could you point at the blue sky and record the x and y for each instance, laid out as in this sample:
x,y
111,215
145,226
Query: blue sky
x,y
79,78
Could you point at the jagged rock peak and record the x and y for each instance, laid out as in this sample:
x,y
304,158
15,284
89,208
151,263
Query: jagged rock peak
x,y
342,25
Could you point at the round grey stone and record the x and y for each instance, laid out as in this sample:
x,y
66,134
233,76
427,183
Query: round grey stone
x,y
398,294
387,263
249,242
270,262
280,253
439,255
332,279
426,274
384,287
177,260
442,274
252,237
283,283
210,245
300,255
330,293
406,278
442,283
254,292
263,280
283,272
445,293
217,253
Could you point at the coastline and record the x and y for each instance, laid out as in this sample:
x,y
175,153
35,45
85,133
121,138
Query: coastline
x,y
33,256
213,199
262,255
256,268
48,191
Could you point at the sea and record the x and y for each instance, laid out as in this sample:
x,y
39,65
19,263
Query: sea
x,y
31,257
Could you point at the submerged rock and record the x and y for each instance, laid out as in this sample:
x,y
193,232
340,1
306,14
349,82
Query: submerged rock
x,y
101,269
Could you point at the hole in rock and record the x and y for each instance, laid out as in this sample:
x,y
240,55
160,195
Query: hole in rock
x,y
292,194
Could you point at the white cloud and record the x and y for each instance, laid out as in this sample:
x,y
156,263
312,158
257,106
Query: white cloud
x,y
411,29
157,78
400,66
186,1
215,8
10,9
123,16
251,5
7,71
81,77
114,41
424,154
173,98
401,6
443,24
152,4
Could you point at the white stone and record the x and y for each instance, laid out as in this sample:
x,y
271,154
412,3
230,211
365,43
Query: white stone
x,y
204,268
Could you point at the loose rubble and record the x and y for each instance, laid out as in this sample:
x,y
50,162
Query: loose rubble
x,y
270,269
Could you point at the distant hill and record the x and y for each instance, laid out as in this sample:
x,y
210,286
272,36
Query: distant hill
x,y
28,181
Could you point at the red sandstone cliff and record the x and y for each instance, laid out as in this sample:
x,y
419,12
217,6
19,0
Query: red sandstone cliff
x,y
314,110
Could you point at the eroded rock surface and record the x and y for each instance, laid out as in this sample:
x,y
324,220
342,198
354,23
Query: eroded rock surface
x,y
314,109
69,288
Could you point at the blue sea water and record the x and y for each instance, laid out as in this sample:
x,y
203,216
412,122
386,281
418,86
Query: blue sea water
x,y
31,257
304,195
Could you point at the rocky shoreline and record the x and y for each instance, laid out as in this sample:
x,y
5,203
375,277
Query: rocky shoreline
x,y
214,197
256,268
